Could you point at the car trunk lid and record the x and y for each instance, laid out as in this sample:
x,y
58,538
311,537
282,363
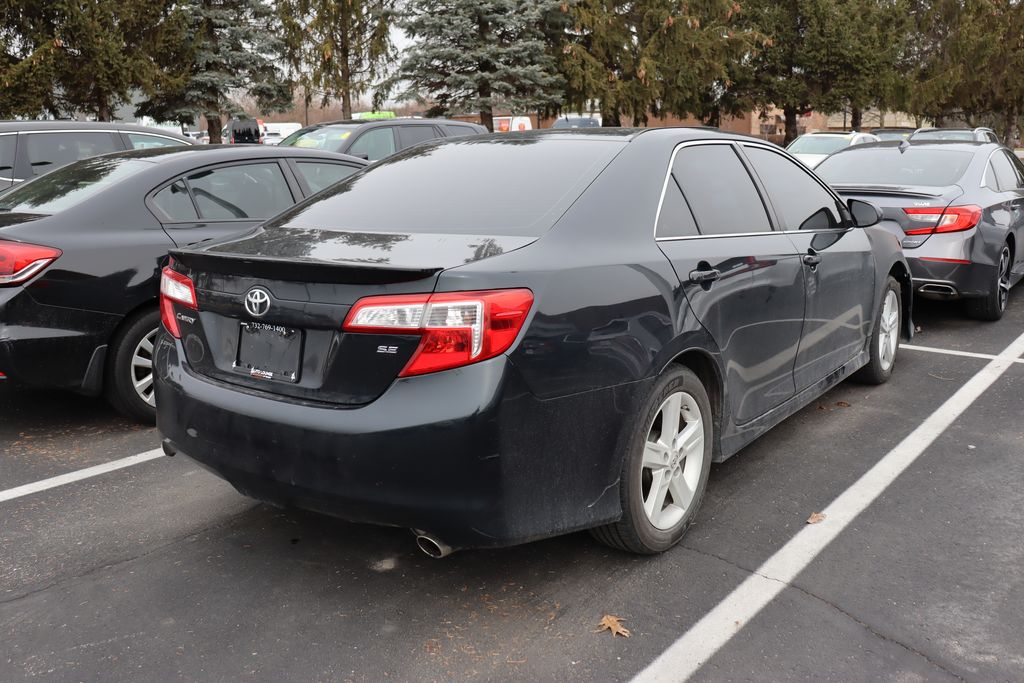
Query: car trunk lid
x,y
271,306
894,199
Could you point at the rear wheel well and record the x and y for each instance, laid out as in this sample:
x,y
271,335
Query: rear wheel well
x,y
128,319
1013,246
701,365
902,275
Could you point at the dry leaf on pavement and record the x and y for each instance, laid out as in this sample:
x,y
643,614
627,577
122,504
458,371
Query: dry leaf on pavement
x,y
613,624
816,517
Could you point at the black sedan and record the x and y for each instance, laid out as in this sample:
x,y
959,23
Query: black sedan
x,y
957,207
81,250
493,362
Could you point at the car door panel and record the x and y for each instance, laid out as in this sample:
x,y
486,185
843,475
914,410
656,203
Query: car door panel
x,y
742,279
838,266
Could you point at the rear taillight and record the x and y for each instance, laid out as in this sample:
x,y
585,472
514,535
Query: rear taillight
x,y
175,288
937,219
20,261
457,328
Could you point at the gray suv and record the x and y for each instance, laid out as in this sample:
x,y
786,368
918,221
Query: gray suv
x,y
373,140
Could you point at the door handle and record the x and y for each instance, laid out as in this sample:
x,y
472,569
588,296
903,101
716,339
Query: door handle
x,y
811,259
701,277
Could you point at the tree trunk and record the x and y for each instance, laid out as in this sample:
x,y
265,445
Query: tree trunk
x,y
939,121
610,118
487,114
346,104
792,115
856,118
213,127
1010,129
346,65
103,110
714,118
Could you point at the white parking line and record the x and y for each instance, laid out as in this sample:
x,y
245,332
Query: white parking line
x,y
79,475
695,647
951,352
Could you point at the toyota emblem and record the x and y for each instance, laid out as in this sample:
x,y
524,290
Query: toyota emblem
x,y
257,302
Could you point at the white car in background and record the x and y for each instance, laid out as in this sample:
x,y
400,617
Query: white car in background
x,y
275,132
813,148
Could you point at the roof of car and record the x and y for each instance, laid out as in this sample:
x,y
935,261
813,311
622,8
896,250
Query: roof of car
x,y
54,126
963,145
403,121
215,154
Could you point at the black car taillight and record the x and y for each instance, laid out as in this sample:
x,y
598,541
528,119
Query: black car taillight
x,y
20,261
457,328
175,288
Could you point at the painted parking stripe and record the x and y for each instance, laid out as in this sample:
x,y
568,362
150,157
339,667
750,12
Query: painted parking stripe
x,y
79,475
952,352
695,647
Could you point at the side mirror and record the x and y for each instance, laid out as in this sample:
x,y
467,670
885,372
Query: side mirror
x,y
865,214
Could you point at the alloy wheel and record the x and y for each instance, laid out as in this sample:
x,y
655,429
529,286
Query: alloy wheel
x,y
1004,278
672,461
889,334
142,368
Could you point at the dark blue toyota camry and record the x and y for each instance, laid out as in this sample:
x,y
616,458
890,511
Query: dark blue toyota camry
x,y
496,339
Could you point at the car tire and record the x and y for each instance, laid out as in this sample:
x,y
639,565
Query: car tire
x,y
649,524
885,336
992,306
127,368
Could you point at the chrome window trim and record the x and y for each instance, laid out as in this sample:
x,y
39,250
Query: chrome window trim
x,y
988,165
155,135
746,143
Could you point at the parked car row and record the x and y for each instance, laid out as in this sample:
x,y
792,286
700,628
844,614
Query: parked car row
x,y
383,341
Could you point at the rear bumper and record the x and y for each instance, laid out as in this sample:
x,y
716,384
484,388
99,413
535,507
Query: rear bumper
x,y
50,346
943,280
468,455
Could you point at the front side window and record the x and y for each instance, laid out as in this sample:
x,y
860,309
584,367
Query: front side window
x,y
238,192
374,144
720,191
175,204
144,141
801,202
329,138
320,175
50,151
70,185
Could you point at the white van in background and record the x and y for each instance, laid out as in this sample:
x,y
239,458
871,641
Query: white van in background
x,y
512,124
275,132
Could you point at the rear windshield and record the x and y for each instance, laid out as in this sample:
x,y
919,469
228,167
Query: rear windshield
x,y
326,137
469,186
888,166
61,189
818,144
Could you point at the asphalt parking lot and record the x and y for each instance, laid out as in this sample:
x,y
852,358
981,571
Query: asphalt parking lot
x,y
160,571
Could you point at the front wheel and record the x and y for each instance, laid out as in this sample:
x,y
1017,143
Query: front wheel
x,y
885,338
129,380
665,472
991,306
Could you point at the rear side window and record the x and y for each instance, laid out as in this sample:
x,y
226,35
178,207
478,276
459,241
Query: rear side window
x,y
144,141
413,135
466,187
319,175
801,202
456,131
675,218
375,144
49,151
925,166
719,191
1007,177
175,204
8,145
238,192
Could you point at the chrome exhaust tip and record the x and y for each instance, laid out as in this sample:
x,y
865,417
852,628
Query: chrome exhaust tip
x,y
941,290
431,545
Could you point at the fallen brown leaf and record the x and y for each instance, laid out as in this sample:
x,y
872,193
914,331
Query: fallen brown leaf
x,y
815,518
613,624
842,404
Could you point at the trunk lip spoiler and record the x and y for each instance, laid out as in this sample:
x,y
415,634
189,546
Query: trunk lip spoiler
x,y
907,191
355,272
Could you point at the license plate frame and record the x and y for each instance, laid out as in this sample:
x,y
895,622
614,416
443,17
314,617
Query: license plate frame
x,y
269,352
